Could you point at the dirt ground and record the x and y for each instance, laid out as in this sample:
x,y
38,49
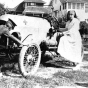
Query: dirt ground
x,y
49,75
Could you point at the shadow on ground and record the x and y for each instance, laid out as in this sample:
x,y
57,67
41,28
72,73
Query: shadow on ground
x,y
82,84
55,63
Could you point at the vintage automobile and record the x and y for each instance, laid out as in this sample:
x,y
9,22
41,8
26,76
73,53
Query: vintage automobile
x,y
31,31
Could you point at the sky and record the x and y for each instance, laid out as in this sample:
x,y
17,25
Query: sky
x,y
13,3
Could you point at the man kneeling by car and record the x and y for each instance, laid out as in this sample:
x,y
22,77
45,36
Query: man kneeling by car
x,y
5,29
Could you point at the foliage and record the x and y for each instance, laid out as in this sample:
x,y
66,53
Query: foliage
x,y
53,21
2,9
83,27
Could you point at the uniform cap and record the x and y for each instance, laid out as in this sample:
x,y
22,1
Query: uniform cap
x,y
13,23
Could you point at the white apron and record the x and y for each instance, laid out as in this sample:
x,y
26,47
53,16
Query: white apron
x,y
70,44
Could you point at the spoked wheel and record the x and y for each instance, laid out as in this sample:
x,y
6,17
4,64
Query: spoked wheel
x,y
82,52
29,59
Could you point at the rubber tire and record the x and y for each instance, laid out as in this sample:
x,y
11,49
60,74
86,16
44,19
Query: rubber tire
x,y
82,52
21,61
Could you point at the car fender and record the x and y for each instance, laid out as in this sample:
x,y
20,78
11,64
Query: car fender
x,y
31,39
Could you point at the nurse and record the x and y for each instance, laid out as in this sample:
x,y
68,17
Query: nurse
x,y
70,44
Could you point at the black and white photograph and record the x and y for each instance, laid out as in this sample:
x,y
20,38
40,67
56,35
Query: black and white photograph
x,y
43,43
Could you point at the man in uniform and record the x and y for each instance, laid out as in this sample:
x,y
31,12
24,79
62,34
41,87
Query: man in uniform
x,y
6,28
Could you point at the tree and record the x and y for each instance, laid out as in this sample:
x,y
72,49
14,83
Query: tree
x,y
2,9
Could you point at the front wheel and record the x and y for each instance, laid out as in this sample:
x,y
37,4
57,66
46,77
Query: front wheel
x,y
29,59
82,52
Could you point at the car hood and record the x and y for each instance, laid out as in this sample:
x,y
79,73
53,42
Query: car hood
x,y
22,20
31,33
30,28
